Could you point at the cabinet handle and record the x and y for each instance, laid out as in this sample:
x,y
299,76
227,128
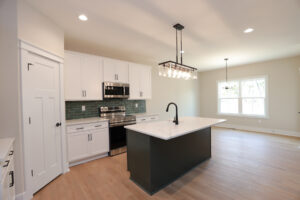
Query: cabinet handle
x,y
79,128
82,93
7,163
85,93
91,137
88,137
11,173
143,119
11,153
117,76
98,126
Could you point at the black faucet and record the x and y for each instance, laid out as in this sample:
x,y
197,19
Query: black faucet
x,y
176,116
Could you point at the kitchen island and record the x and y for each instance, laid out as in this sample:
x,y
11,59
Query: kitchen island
x,y
160,152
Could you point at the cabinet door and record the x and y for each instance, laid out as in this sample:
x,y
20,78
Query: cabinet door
x,y
78,145
134,81
91,77
145,82
109,70
99,142
121,68
72,74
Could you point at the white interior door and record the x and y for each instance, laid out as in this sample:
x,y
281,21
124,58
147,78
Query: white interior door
x,y
41,105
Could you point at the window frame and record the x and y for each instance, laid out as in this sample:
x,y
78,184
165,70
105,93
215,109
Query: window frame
x,y
240,106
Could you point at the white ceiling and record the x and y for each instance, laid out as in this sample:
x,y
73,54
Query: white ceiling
x,y
141,30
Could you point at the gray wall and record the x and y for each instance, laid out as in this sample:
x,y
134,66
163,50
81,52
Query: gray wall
x,y
283,88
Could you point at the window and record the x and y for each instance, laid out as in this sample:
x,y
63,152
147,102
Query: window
x,y
246,97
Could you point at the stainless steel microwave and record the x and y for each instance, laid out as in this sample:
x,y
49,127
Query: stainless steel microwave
x,y
113,90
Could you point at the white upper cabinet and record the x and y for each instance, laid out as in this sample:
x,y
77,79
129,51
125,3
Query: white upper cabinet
x,y
92,77
115,70
140,81
72,72
83,77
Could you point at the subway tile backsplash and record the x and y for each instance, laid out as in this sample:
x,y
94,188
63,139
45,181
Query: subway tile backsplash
x,y
73,108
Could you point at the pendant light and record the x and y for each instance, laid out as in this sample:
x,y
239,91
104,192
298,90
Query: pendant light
x,y
173,69
226,87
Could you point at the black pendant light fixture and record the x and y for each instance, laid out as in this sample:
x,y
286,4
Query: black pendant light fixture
x,y
226,87
174,69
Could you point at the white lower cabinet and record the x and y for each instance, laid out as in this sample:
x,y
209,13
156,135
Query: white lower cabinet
x,y
7,177
87,140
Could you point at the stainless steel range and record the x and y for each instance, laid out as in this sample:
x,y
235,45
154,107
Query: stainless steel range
x,y
117,133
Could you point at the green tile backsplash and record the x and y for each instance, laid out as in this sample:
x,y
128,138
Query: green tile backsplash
x,y
73,108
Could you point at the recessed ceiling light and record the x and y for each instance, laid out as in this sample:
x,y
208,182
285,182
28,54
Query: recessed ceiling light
x,y
83,17
248,30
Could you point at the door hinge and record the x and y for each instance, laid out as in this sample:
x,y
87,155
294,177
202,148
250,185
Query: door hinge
x,y
29,120
28,66
32,172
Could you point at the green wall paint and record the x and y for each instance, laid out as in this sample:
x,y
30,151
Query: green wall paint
x,y
73,108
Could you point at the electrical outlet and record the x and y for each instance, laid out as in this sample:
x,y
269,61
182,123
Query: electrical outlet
x,y
136,105
83,108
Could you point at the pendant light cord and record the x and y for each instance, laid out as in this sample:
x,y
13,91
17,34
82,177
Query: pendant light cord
x,y
176,47
181,46
226,59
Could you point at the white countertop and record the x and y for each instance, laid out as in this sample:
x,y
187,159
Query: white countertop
x,y
5,145
85,120
167,130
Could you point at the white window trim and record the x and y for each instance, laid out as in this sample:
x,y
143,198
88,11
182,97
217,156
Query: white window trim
x,y
266,116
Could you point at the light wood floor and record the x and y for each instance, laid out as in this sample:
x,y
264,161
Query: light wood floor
x,y
244,166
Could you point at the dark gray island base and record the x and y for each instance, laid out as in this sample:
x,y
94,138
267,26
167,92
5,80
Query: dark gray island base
x,y
154,163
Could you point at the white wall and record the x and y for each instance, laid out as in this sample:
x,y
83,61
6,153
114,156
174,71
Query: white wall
x,y
165,90
284,93
9,83
39,30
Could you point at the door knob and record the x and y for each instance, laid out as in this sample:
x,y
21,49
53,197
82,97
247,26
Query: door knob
x,y
58,124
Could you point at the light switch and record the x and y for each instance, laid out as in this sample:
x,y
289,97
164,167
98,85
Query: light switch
x,y
83,108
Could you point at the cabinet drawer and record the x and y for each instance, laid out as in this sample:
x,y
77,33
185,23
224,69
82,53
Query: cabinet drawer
x,y
141,119
7,162
77,128
147,119
86,127
153,118
97,125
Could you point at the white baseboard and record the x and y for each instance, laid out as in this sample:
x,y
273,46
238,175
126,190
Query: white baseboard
x,y
20,196
23,196
87,160
259,129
